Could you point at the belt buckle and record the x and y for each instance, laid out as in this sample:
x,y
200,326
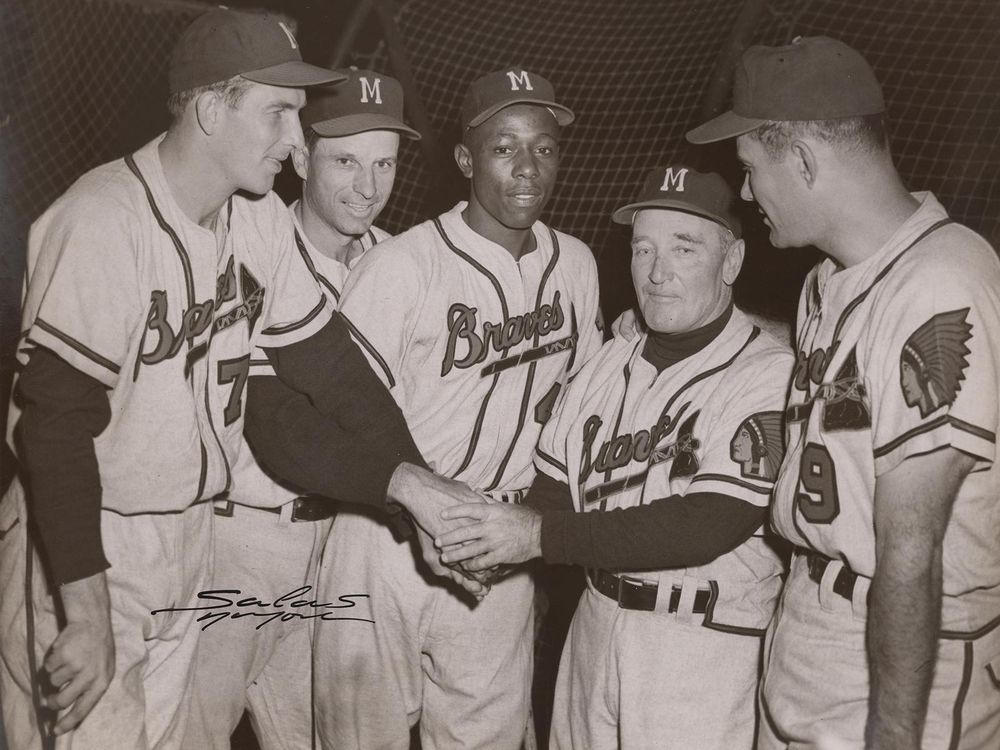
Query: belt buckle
x,y
627,584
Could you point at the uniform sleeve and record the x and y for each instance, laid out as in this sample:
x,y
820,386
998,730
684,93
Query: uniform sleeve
x,y
591,321
551,453
381,302
932,361
83,300
739,452
296,307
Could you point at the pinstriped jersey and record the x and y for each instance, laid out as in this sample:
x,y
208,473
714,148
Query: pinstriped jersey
x,y
251,486
473,344
163,312
896,357
625,435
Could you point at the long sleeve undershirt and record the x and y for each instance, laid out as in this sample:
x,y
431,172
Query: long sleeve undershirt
x,y
670,532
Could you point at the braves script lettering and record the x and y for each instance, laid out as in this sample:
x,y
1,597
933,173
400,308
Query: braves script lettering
x,y
463,326
634,446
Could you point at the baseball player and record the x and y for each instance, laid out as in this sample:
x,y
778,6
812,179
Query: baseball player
x,y
474,319
267,537
149,283
655,473
888,630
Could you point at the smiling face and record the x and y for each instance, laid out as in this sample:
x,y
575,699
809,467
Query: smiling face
x,y
349,179
258,134
777,188
512,160
682,269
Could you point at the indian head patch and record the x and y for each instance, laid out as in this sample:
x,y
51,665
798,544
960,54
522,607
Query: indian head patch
x,y
759,445
933,361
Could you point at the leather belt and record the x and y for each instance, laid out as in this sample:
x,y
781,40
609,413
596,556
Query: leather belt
x,y
304,508
508,496
633,593
843,584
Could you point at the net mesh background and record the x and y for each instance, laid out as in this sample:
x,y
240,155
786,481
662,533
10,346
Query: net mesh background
x,y
84,82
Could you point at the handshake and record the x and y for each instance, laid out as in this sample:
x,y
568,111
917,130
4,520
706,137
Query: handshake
x,y
464,536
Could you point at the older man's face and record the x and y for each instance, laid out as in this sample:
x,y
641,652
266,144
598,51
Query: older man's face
x,y
682,267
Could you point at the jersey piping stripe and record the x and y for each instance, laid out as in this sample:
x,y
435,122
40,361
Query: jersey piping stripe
x,y
731,480
530,379
479,267
370,348
310,316
167,229
552,461
974,635
842,320
958,424
709,621
78,347
312,267
754,333
963,691
477,428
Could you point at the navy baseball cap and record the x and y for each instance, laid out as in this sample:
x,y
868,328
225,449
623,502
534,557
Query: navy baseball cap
x,y
813,78
502,88
680,188
367,100
223,43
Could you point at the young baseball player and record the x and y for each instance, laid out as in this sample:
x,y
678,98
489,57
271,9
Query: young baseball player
x,y
267,537
150,281
644,479
474,320
888,631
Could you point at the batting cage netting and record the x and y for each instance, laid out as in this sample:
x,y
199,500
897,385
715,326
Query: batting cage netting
x,y
84,81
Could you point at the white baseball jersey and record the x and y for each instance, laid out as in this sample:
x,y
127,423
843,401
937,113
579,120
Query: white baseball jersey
x,y
625,435
165,313
251,486
897,357
473,344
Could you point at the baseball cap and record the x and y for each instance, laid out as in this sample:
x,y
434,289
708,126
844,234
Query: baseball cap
x,y
367,100
681,188
813,78
223,43
502,88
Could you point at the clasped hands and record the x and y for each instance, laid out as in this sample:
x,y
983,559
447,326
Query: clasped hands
x,y
463,535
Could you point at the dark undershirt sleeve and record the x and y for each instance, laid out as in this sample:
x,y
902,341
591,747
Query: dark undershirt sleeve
x,y
672,532
326,424
548,494
63,411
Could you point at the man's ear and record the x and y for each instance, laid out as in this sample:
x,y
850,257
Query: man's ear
x,y
300,160
804,161
463,157
733,262
208,108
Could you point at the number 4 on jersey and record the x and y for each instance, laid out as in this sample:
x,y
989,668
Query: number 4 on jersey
x,y
818,477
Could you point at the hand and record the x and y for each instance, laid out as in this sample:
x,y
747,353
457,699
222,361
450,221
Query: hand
x,y
81,661
425,495
478,586
499,533
626,326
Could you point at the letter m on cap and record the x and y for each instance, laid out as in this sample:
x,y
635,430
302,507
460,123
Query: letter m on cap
x,y
519,78
672,181
371,91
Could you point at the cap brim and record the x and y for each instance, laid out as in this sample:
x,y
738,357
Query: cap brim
x,y
360,123
727,125
294,73
564,116
625,214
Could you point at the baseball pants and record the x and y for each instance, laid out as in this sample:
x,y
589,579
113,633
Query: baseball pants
x,y
814,692
433,655
635,679
158,560
247,663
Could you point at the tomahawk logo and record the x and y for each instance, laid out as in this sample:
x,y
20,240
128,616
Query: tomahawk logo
x,y
519,78
371,91
672,181
289,34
